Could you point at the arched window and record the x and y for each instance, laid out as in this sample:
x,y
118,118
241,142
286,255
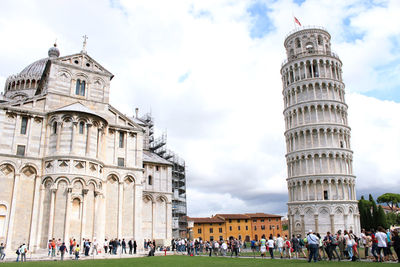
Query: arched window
x,y
81,127
150,180
319,40
80,87
310,47
55,127
24,124
298,43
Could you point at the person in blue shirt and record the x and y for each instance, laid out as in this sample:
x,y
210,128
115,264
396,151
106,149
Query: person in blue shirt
x,y
313,243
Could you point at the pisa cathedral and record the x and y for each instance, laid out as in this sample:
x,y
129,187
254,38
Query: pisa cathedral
x,y
72,165
320,181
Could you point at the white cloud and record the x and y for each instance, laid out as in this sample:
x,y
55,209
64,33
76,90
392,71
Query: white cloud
x,y
225,118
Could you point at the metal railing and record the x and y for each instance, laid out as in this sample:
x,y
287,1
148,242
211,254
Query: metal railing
x,y
308,27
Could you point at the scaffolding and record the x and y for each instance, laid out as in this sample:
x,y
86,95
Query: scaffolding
x,y
179,208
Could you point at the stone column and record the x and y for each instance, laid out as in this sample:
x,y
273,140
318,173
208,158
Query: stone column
x,y
96,196
153,220
67,214
345,221
316,223
303,226
337,189
40,217
73,138
12,212
120,204
332,217
34,220
99,141
51,217
83,220
59,127
137,220
315,190
291,225
89,127
301,191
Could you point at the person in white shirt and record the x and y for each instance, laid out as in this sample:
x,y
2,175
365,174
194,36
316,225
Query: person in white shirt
x,y
224,248
216,248
349,243
270,244
95,247
382,244
23,250
279,244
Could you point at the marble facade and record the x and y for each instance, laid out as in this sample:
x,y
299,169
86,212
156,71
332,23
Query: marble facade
x,y
72,165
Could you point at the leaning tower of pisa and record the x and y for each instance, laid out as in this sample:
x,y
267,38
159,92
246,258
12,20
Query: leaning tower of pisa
x,y
321,183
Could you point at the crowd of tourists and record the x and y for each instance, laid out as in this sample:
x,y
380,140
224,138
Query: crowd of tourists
x,y
57,248
377,246
198,247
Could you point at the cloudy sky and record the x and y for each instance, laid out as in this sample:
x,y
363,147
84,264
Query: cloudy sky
x,y
209,72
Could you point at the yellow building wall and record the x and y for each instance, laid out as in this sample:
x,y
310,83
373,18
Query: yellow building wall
x,y
232,228
206,234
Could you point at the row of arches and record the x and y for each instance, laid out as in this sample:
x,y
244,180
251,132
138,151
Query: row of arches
x,y
304,91
315,113
308,41
318,36
324,218
332,209
18,195
306,189
312,164
76,133
317,137
310,69
23,84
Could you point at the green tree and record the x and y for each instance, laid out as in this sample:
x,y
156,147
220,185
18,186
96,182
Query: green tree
x,y
375,215
391,218
381,218
364,207
392,200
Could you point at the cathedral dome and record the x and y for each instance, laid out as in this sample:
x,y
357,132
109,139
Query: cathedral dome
x,y
30,76
34,70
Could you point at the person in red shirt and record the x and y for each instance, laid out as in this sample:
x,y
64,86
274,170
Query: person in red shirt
x,y
71,246
53,248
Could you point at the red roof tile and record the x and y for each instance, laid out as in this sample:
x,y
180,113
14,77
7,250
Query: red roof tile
x,y
263,215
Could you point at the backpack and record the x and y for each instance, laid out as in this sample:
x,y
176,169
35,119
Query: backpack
x,y
17,252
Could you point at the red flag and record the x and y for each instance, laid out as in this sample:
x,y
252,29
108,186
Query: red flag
x,y
297,21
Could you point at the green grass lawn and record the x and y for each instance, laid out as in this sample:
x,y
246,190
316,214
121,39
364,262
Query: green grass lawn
x,y
187,261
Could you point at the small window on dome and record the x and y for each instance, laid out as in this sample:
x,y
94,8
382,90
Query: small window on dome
x,y
87,65
76,62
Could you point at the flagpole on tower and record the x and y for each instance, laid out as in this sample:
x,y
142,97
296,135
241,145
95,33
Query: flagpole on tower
x,y
294,23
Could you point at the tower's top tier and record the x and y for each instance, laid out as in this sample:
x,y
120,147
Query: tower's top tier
x,y
307,40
